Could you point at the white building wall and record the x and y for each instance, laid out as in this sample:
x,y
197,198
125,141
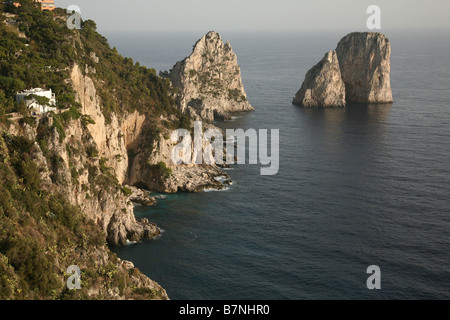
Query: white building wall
x,y
33,105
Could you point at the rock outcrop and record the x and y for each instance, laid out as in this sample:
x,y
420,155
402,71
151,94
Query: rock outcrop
x,y
112,210
141,197
89,160
157,172
323,85
72,170
209,80
66,168
124,144
112,139
357,71
364,59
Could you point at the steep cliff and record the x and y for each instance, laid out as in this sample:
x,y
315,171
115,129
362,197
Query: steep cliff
x,y
357,71
323,85
136,148
209,80
62,174
105,147
364,59
59,202
65,175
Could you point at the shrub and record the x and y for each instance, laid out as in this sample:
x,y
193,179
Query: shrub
x,y
33,265
162,169
126,191
92,151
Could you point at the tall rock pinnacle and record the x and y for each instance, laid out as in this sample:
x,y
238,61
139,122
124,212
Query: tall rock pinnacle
x,y
209,80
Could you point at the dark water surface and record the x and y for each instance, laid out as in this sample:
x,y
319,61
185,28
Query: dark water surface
x,y
365,185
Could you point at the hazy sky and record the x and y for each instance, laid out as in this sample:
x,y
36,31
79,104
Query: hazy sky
x,y
251,15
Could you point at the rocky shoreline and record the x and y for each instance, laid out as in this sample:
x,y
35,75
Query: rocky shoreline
x,y
207,179
140,196
98,156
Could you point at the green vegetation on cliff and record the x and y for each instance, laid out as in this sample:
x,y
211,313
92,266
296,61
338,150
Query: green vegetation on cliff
x,y
37,50
41,232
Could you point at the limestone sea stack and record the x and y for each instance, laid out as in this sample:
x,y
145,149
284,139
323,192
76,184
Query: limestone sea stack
x,y
364,59
363,62
323,85
209,80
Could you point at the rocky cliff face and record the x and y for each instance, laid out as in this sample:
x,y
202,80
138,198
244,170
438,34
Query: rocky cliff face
x,y
67,166
364,59
112,139
357,71
90,161
133,159
111,210
209,80
323,85
153,169
85,179
158,173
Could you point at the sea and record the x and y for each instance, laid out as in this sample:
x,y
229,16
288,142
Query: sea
x,y
365,185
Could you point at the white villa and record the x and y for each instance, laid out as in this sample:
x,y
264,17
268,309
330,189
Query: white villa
x,y
33,105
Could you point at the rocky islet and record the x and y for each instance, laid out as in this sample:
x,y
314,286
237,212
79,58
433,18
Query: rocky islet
x,y
360,64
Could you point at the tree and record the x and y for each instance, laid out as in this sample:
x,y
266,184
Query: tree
x,y
11,86
22,109
27,5
89,25
5,104
43,101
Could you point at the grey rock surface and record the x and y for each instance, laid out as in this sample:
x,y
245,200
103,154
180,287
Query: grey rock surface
x,y
364,59
323,85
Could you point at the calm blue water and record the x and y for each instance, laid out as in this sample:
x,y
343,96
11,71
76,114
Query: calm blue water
x,y
365,185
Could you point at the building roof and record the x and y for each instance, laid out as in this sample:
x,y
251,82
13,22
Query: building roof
x,y
34,90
